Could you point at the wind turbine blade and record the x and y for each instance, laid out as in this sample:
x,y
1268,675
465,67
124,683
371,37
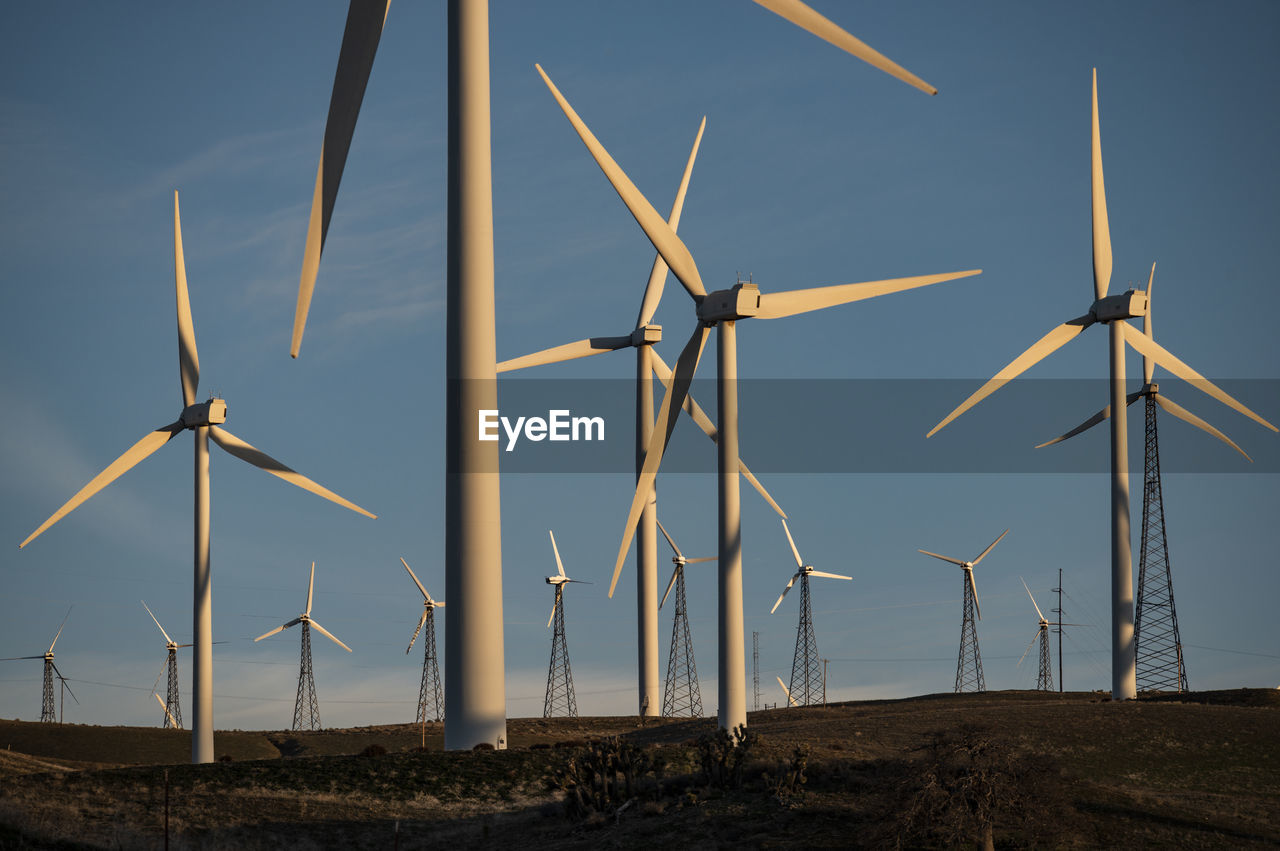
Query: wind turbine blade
x,y
311,586
365,19
554,605
167,639
658,273
1028,650
280,628
19,658
704,422
556,550
990,548
569,351
63,680
1033,599
329,635
169,714
1101,229
806,18
670,246
670,585
1185,415
115,470
667,535
677,390
425,595
1039,350
973,586
422,620
1105,413
188,359
1160,355
59,632
795,552
701,559
790,302
784,593
1148,365
787,692
263,461
829,575
944,558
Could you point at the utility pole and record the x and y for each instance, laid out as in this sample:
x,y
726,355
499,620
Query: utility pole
x,y
1058,611
755,667
824,681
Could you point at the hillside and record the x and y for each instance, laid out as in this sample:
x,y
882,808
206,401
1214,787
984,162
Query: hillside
x,y
1199,770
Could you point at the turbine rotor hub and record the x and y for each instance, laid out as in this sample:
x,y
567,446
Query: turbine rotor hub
x,y
212,412
646,335
740,301
1127,305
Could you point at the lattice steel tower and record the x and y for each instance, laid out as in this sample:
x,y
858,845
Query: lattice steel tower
x,y
806,665
1156,640
560,699
755,668
48,709
969,663
306,710
173,710
681,696
430,698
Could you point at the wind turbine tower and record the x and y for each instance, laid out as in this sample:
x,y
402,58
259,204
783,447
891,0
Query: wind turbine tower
x,y
681,696
560,699
306,710
48,708
430,703
806,665
172,709
969,664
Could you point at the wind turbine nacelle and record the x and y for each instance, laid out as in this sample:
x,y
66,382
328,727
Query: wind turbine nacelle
x,y
741,301
646,335
208,413
1124,306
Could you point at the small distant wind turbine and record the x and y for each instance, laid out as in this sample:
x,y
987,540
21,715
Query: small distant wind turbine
x,y
560,694
1044,675
172,709
306,709
1114,311
969,664
430,701
720,309
48,711
202,418
806,664
682,696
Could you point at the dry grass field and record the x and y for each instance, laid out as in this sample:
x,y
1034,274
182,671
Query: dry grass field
x,y
1020,769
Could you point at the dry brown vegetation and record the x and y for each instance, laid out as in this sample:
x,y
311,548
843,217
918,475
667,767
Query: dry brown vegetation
x,y
1025,769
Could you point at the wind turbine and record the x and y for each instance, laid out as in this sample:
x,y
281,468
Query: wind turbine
x,y
474,669
202,418
1044,674
306,709
969,663
429,691
48,711
806,664
648,362
172,708
681,695
721,309
1113,311
560,694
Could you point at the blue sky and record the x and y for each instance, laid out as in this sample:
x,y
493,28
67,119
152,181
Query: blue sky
x,y
815,169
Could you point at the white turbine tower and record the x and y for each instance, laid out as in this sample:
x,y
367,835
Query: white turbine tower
x,y
721,309
969,663
203,419
474,664
806,664
306,709
48,712
429,690
1113,311
172,706
642,338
